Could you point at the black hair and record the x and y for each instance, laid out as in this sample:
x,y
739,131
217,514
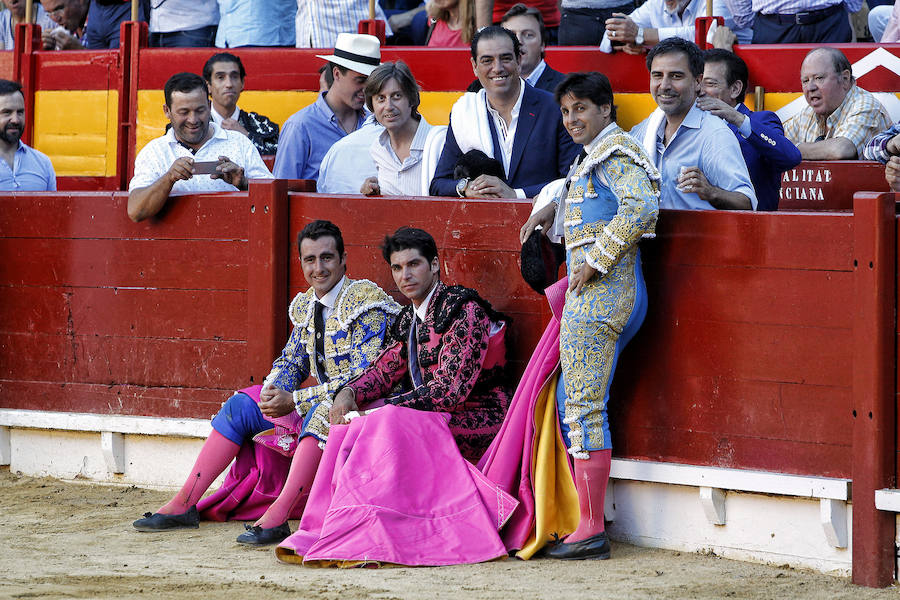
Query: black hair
x,y
399,72
322,228
588,85
329,72
8,87
184,83
520,10
676,44
409,238
494,31
222,57
735,68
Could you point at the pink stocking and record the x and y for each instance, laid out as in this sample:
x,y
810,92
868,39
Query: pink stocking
x,y
591,477
299,480
217,453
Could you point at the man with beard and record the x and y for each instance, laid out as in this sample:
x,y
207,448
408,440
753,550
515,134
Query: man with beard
x,y
24,168
193,156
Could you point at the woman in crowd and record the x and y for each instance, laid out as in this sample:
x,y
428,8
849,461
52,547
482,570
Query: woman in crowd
x,y
451,23
403,150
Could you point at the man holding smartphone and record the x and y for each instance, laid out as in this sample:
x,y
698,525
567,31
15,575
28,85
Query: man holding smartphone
x,y
194,156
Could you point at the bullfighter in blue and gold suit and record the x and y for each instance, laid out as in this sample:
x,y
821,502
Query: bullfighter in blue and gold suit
x,y
339,328
609,202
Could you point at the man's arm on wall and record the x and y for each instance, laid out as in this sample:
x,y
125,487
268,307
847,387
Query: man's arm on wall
x,y
144,202
838,148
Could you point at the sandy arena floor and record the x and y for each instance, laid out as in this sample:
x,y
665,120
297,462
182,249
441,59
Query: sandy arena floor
x,y
74,540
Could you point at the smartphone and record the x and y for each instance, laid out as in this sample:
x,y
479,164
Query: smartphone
x,y
205,167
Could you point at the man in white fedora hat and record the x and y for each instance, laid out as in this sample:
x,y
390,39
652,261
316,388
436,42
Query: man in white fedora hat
x,y
309,133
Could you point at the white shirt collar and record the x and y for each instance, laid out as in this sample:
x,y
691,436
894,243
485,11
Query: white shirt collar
x,y
536,74
514,114
217,118
217,133
422,310
330,299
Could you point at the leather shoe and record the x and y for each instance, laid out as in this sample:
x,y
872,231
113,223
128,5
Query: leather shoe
x,y
160,522
259,536
595,547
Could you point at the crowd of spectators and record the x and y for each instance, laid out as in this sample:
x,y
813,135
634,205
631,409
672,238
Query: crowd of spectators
x,y
632,26
363,134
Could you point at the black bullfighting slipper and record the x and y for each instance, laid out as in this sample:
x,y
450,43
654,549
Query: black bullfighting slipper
x,y
595,547
258,536
160,522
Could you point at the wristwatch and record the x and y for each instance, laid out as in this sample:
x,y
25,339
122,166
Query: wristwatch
x,y
461,186
639,38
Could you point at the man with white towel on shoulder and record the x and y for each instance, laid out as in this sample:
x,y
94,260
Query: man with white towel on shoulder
x,y
508,120
697,155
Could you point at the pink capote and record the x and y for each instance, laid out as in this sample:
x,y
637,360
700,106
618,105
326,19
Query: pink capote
x,y
393,488
252,484
508,460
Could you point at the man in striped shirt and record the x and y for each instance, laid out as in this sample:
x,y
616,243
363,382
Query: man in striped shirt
x,y
319,23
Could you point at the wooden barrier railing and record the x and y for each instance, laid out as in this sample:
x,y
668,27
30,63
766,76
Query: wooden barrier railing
x,y
738,365
769,336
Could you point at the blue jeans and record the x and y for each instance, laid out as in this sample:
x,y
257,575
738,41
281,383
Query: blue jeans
x,y
104,20
204,37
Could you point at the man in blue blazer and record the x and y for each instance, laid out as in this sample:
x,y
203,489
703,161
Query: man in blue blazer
x,y
508,120
766,151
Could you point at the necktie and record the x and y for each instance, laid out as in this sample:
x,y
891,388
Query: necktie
x,y
414,372
319,324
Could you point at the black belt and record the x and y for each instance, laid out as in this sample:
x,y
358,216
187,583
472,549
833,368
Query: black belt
x,y
807,17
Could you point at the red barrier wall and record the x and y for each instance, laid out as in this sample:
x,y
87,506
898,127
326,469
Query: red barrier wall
x,y
770,341
740,363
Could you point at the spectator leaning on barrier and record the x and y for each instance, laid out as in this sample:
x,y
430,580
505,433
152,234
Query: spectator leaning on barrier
x,y
256,23
195,155
796,21
508,120
224,74
69,17
104,21
23,169
766,151
309,133
184,23
840,117
885,147
15,14
697,155
657,20
399,153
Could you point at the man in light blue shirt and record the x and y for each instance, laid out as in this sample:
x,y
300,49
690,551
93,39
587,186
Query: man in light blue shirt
x,y
256,23
310,132
697,155
23,169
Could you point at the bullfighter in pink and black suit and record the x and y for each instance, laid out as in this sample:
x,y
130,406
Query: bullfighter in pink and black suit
x,y
446,348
